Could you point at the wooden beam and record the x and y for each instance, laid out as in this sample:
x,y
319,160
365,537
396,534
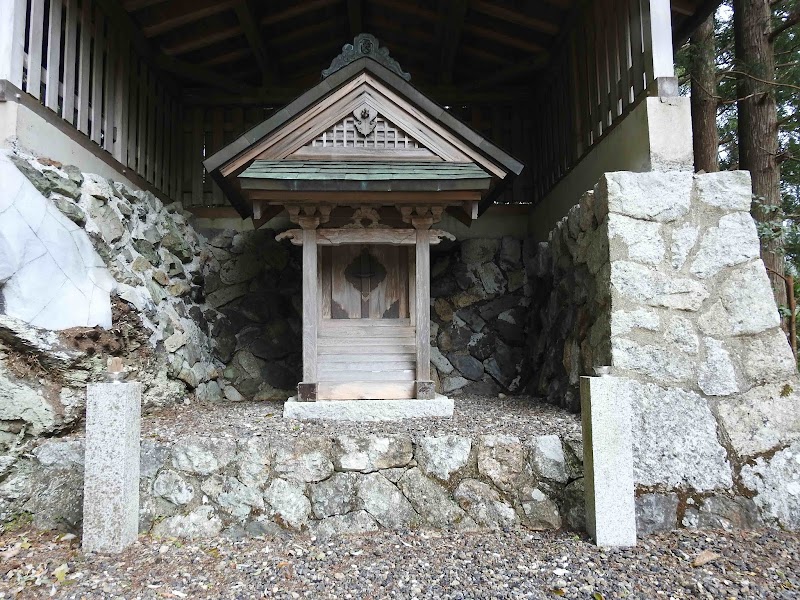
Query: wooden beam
x,y
504,39
355,17
511,16
249,24
310,304
339,237
456,12
190,44
423,305
134,5
535,63
299,8
278,96
228,57
410,8
176,13
390,198
201,75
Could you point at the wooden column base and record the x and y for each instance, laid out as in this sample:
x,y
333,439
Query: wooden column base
x,y
306,392
425,390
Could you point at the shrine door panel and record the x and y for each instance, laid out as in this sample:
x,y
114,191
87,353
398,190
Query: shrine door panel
x,y
364,282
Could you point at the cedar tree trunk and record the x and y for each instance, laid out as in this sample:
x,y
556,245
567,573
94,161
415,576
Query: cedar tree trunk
x,y
758,122
705,138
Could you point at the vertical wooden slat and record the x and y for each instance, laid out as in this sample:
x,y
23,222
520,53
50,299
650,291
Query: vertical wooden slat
x,y
121,78
158,137
53,55
623,49
151,128
141,121
12,40
217,142
133,111
657,35
110,102
70,56
602,65
85,66
166,167
35,33
637,56
176,146
197,156
98,50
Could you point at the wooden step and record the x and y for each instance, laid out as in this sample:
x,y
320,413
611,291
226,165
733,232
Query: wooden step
x,y
365,390
359,332
350,374
359,347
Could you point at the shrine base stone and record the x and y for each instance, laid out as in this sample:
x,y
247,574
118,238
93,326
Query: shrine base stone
x,y
111,471
369,410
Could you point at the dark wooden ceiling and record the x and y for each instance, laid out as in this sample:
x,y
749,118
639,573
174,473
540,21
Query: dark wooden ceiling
x,y
244,51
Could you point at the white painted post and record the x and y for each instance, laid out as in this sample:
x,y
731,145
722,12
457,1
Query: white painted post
x,y
659,58
111,472
12,40
608,462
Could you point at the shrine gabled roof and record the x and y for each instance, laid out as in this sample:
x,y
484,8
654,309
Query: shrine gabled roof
x,y
318,175
366,94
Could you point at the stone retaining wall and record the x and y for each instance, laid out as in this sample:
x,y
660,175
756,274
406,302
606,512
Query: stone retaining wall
x,y
659,275
203,486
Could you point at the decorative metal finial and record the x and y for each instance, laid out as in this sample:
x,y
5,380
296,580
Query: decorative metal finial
x,y
365,45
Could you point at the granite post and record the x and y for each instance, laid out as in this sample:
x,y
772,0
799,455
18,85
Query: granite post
x,y
111,477
608,462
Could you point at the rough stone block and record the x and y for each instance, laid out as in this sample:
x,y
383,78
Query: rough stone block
x,y
655,196
111,471
606,419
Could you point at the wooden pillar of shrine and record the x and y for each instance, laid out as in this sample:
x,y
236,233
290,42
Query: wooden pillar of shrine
x,y
307,389
424,384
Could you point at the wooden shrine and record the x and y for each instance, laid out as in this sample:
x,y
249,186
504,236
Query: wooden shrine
x,y
365,165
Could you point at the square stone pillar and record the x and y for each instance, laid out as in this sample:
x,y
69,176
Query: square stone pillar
x,y
608,462
111,475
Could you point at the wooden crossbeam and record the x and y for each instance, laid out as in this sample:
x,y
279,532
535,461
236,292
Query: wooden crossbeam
x,y
176,13
502,38
250,27
299,8
530,65
196,42
228,57
456,11
511,16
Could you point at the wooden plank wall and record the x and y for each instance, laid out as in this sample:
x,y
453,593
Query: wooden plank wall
x,y
604,68
86,72
207,129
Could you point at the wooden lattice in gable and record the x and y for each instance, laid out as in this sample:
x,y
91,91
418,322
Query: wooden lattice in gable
x,y
385,135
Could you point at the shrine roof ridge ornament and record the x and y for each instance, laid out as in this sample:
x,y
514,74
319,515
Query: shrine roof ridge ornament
x,y
365,45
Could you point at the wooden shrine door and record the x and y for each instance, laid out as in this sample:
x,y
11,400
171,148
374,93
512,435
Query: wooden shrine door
x,y
366,337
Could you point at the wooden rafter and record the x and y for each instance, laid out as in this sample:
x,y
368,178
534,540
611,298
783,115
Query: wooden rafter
x,y
250,27
355,16
510,16
298,9
535,63
228,57
334,24
503,38
176,13
455,13
200,41
410,8
134,5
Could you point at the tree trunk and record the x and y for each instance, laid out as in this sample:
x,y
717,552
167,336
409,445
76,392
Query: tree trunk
x,y
705,138
758,121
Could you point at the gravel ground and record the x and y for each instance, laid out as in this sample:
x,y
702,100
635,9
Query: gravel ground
x,y
420,564
522,416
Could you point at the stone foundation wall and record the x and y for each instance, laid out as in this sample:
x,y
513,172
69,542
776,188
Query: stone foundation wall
x,y
202,486
659,275
478,316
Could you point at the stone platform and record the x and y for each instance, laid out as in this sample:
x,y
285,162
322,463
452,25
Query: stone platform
x,y
368,410
241,469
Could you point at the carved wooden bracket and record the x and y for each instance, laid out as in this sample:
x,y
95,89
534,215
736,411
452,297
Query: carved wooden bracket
x,y
421,217
309,216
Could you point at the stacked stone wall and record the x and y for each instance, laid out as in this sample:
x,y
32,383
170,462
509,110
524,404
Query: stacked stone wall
x,y
659,276
206,486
